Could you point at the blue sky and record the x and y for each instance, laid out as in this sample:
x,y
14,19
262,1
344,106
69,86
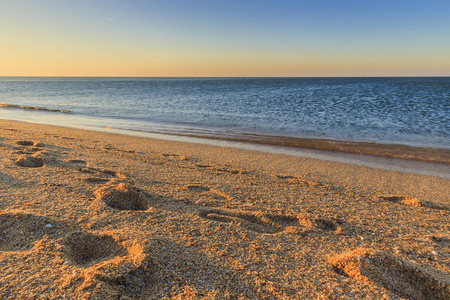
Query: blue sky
x,y
224,38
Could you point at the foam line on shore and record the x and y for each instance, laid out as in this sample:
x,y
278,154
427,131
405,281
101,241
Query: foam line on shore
x,y
27,107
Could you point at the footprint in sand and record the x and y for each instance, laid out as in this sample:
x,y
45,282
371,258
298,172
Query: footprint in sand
x,y
30,161
400,277
77,161
96,180
88,170
198,188
30,143
414,202
25,143
121,269
248,220
84,248
30,157
123,197
282,220
203,166
111,173
18,231
320,223
270,223
308,222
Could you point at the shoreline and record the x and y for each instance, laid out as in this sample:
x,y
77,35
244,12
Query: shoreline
x,y
388,149
403,158
98,215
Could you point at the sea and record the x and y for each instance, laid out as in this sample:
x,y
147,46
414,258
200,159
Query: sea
x,y
365,115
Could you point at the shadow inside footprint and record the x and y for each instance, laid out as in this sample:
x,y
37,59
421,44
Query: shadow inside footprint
x,y
319,223
198,188
202,166
96,180
77,161
123,197
84,248
25,143
108,172
282,219
28,161
286,177
244,219
401,277
123,272
325,224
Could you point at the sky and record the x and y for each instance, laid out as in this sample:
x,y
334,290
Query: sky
x,y
224,38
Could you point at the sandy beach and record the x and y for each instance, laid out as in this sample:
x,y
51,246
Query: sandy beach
x,y
95,215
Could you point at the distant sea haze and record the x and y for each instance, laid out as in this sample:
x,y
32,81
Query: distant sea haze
x,y
285,111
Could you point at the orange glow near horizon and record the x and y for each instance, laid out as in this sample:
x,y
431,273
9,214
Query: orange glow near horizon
x,y
63,64
139,39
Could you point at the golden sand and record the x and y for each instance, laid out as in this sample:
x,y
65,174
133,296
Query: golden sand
x,y
89,215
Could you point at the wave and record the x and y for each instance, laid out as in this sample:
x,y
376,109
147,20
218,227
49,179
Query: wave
x,y
26,107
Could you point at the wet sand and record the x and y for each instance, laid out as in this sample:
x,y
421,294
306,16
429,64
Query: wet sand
x,y
92,215
426,154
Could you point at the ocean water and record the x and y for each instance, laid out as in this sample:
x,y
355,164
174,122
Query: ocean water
x,y
385,111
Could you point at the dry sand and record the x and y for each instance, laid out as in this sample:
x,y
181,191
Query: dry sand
x,y
89,215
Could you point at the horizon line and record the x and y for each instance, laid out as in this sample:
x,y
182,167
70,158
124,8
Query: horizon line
x,y
105,76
